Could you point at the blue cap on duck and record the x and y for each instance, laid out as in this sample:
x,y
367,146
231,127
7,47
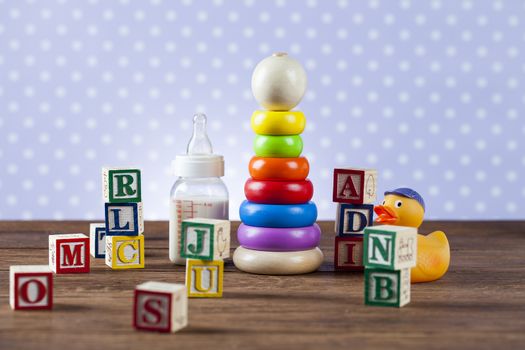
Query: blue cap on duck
x,y
408,193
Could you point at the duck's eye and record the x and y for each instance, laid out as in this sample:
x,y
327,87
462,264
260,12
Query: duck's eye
x,y
384,202
398,204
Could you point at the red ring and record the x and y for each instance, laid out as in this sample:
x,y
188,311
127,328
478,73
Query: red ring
x,y
278,192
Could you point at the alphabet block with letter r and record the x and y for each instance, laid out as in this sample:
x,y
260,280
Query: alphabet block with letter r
x,y
204,278
390,247
69,253
352,219
387,287
355,186
125,252
160,307
205,239
121,185
124,219
30,287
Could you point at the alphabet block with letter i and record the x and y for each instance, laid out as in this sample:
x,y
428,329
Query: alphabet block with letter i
x,y
390,247
69,253
124,219
205,239
387,288
160,307
204,278
348,254
97,238
352,219
30,287
355,186
121,185
125,252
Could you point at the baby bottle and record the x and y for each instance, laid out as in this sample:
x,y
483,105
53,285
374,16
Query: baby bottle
x,y
199,191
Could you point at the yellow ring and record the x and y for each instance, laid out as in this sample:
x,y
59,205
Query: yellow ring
x,y
278,122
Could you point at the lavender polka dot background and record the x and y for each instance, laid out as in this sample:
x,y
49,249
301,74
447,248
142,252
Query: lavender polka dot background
x,y
430,93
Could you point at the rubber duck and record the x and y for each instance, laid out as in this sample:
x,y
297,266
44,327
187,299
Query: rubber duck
x,y
405,207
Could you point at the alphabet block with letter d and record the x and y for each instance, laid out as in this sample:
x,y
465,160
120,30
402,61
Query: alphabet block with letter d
x,y
30,287
387,287
124,219
69,253
205,239
352,219
160,307
121,185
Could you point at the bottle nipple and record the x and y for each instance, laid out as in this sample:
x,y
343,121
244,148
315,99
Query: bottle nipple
x,y
199,142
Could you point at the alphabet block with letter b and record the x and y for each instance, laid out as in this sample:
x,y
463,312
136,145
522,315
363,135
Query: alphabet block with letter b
x,y
30,287
390,247
352,219
205,239
204,278
387,288
125,252
348,254
355,186
160,307
124,219
121,185
69,253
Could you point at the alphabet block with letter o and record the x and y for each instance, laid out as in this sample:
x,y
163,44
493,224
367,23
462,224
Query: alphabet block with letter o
x,y
204,278
121,185
69,253
355,186
125,252
160,307
390,247
348,254
352,219
387,287
124,219
205,239
30,287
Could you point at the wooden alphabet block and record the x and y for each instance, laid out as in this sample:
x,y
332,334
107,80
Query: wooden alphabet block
x,y
124,219
160,307
30,287
121,185
387,288
205,239
390,247
352,219
69,253
355,186
125,252
204,278
97,240
348,254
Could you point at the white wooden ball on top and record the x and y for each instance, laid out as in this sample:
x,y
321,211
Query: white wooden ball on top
x,y
279,82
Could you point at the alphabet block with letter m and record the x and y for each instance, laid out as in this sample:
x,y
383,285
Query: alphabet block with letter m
x,y
354,186
205,239
121,185
125,252
160,307
124,219
390,247
387,288
30,287
69,253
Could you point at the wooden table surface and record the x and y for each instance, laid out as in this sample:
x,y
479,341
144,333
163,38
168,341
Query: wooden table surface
x,y
479,304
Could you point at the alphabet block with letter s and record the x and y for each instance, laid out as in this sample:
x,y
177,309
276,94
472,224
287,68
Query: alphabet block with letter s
x,y
121,185
69,253
30,287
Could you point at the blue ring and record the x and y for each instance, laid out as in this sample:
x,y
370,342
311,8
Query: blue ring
x,y
278,215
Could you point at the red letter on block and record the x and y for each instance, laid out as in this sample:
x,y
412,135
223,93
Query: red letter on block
x,y
31,287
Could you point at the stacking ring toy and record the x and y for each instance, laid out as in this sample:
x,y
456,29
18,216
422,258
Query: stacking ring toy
x,y
279,239
288,169
277,263
278,215
278,146
278,122
278,192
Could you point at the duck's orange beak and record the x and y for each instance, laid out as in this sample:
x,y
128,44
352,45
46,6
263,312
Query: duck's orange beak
x,y
385,214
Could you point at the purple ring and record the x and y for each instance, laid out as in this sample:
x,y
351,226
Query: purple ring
x,y
279,239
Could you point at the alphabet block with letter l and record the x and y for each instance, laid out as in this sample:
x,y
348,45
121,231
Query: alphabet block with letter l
x,y
124,219
390,247
386,287
352,219
69,253
121,185
205,239
125,252
204,278
160,307
348,254
30,287
355,186
97,238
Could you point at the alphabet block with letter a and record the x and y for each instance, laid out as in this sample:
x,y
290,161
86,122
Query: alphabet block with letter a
x,y
204,278
387,288
30,287
205,239
390,247
125,252
124,219
355,186
348,253
160,307
121,185
69,253
352,219
97,238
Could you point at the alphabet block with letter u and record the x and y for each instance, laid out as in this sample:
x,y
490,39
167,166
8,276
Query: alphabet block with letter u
x,y
30,287
124,219
69,253
121,185
204,278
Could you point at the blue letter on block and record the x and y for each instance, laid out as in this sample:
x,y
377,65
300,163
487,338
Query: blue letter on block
x,y
123,219
353,218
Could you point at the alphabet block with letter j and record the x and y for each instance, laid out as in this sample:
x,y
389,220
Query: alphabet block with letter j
x,y
205,239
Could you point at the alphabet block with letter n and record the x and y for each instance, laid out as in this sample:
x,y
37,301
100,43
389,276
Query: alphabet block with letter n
x,y
205,239
160,307
390,247
355,186
121,185
124,219
30,287
204,278
387,288
97,237
352,219
348,254
69,253
125,252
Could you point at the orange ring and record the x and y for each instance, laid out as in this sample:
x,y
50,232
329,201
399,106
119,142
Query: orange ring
x,y
287,169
